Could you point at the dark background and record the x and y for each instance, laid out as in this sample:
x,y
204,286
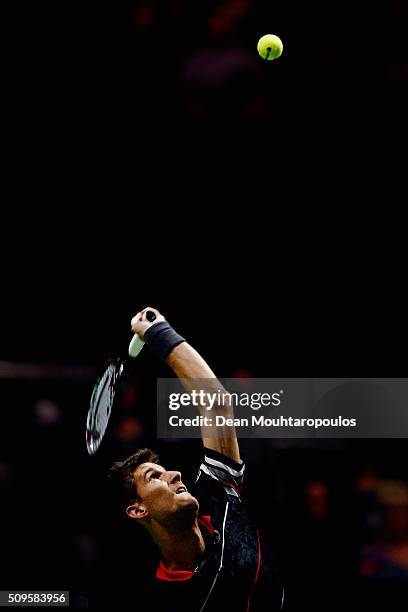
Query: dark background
x,y
154,159
108,99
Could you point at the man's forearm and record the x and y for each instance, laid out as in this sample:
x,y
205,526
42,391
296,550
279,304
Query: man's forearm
x,y
187,363
196,375
194,372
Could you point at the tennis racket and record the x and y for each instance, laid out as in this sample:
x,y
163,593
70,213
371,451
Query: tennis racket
x,y
106,392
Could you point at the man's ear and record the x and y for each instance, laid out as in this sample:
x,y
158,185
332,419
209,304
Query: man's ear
x,y
136,511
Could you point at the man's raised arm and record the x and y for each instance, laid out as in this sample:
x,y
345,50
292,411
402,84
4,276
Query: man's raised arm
x,y
193,371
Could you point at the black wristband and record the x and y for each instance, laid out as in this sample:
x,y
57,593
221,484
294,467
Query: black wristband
x,y
161,339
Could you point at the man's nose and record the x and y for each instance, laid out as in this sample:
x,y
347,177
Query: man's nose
x,y
173,476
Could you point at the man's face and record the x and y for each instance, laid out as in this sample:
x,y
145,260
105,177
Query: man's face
x,y
163,494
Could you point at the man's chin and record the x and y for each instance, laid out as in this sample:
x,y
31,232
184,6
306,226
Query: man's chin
x,y
186,496
188,506
189,500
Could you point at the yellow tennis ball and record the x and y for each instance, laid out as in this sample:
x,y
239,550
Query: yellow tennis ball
x,y
270,47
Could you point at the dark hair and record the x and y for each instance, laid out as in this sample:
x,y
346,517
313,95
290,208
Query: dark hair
x,y
121,474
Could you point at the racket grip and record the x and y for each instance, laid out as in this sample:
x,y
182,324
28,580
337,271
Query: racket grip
x,y
136,344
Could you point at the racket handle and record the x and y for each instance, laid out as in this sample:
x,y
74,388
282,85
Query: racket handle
x,y
136,344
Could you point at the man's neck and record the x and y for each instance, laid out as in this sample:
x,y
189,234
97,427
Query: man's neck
x,y
181,548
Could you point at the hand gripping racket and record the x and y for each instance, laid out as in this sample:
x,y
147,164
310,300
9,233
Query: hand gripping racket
x,y
106,390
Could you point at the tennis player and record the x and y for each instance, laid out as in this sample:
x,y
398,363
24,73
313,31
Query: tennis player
x,y
211,552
